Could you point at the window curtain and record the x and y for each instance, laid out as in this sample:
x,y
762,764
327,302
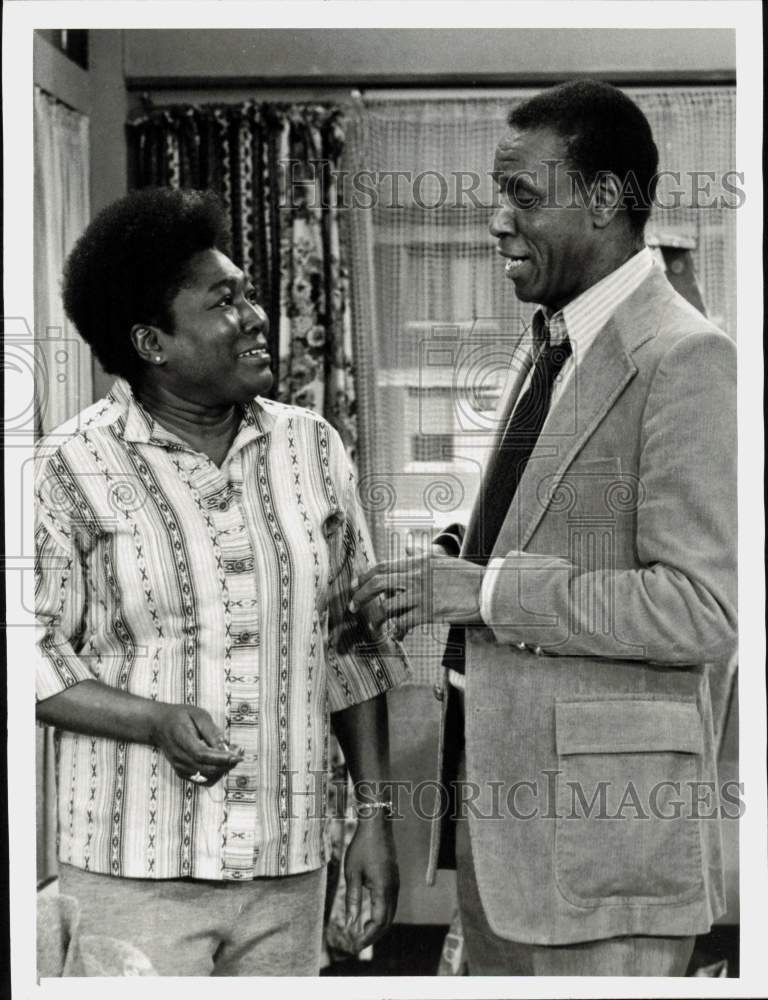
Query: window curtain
x,y
63,380
274,167
61,212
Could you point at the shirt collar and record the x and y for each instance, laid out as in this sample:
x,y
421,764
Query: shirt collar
x,y
140,426
583,318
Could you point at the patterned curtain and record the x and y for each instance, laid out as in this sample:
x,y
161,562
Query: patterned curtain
x,y
273,166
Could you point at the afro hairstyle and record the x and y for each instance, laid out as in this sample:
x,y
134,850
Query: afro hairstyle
x,y
130,263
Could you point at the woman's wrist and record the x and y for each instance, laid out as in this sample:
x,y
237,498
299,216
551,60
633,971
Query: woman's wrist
x,y
373,800
373,808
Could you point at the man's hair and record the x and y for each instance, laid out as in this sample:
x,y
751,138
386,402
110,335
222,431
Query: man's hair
x,y
130,263
604,132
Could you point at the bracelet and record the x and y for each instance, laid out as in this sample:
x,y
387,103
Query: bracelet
x,y
366,810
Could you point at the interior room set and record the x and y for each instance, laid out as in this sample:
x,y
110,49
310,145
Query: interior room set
x,y
362,287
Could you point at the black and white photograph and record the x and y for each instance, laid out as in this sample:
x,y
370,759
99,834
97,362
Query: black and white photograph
x,y
383,498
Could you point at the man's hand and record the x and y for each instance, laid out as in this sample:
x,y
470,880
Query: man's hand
x,y
370,864
426,587
192,743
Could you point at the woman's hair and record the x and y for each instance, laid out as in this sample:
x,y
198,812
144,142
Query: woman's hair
x,y
130,263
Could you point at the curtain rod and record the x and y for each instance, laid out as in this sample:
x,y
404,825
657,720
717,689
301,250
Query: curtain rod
x,y
448,81
57,100
357,97
376,94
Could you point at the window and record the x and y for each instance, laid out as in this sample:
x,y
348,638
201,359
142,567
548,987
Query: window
x,y
432,447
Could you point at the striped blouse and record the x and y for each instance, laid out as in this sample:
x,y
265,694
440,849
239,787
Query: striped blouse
x,y
160,574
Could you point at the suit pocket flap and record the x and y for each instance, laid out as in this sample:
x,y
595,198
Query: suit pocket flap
x,y
628,725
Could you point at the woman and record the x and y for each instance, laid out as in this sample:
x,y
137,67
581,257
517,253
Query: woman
x,y
196,543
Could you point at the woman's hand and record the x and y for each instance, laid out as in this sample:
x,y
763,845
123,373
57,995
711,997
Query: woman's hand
x,y
186,734
370,863
192,743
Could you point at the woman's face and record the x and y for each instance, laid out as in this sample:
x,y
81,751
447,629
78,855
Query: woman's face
x,y
217,354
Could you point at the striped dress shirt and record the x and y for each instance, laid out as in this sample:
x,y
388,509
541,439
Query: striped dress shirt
x,y
581,321
161,574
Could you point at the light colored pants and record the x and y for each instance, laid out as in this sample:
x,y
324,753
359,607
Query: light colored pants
x,y
194,927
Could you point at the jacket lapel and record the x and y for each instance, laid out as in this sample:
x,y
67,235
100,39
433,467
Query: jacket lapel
x,y
589,394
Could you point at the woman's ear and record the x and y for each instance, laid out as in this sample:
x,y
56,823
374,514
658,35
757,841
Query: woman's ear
x,y
147,345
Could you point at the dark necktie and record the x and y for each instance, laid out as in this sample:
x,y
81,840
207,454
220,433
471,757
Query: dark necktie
x,y
507,465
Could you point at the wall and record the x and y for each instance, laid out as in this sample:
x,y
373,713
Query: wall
x,y
99,92
483,56
109,109
59,76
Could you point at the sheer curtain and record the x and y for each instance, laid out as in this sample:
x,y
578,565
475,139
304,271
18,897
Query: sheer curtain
x,y
63,379
433,315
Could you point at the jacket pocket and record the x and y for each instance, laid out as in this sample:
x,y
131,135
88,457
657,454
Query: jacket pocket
x,y
626,824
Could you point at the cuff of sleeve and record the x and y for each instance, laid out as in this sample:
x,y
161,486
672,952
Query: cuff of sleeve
x,y
528,600
450,541
53,677
490,579
356,678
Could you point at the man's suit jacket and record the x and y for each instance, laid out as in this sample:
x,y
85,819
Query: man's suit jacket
x,y
592,681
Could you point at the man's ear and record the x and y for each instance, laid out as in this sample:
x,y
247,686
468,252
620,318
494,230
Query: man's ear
x,y
147,344
606,201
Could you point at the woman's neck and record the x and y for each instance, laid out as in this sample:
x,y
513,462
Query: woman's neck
x,y
209,429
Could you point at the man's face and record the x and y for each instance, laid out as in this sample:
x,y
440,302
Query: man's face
x,y
217,353
543,226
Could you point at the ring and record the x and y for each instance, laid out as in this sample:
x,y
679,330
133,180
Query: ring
x,y
199,779
390,629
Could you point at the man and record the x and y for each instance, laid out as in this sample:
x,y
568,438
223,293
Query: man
x,y
596,580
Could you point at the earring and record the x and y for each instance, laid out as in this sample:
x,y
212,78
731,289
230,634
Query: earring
x,y
158,358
